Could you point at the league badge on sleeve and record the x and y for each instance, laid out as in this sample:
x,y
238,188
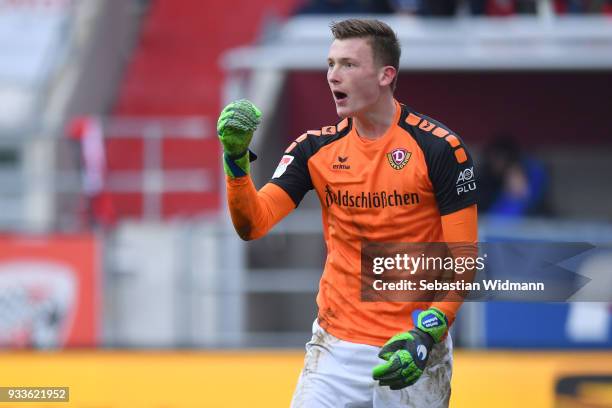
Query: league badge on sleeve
x,y
282,166
398,158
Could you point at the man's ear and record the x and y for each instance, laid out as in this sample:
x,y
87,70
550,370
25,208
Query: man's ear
x,y
387,75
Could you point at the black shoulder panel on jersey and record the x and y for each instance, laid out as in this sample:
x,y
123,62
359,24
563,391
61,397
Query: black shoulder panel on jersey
x,y
449,163
292,173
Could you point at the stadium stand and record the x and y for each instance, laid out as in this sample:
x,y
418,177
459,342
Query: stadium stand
x,y
174,72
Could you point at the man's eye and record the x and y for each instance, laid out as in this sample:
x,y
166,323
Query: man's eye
x,y
349,65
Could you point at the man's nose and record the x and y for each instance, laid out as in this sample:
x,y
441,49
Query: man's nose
x,y
332,76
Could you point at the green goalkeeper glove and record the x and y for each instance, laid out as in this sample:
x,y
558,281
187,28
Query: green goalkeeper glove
x,y
407,353
235,128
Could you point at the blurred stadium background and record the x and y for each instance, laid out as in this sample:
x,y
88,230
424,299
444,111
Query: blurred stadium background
x,y
120,275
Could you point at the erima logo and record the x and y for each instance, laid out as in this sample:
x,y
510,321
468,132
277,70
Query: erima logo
x,y
431,321
421,352
342,165
465,181
329,130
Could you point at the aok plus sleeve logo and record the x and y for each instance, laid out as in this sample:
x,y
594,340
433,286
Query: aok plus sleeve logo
x,y
465,181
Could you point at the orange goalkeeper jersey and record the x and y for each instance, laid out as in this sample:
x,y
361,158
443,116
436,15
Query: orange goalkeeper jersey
x,y
392,189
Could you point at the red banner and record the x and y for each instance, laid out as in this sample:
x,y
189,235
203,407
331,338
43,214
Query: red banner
x,y
49,291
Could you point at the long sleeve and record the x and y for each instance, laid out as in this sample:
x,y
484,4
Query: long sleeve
x,y
461,228
254,212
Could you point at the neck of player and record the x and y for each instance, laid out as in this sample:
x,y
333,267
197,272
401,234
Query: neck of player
x,y
372,123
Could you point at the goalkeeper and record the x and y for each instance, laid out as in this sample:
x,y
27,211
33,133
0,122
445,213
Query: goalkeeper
x,y
404,177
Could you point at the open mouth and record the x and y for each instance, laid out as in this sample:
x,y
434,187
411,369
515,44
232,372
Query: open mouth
x,y
340,95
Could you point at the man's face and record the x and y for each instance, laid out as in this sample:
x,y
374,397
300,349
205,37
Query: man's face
x,y
353,76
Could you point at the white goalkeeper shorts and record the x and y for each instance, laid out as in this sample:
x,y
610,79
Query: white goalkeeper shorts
x,y
338,373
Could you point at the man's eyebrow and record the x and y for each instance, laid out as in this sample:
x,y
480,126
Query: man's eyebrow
x,y
343,59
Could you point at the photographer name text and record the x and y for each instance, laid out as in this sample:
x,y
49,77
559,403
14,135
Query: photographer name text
x,y
429,285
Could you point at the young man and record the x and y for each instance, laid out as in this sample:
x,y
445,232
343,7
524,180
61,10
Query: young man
x,y
384,173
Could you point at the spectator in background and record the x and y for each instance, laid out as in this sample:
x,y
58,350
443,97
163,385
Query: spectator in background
x,y
428,8
99,208
345,7
500,8
512,184
448,8
583,6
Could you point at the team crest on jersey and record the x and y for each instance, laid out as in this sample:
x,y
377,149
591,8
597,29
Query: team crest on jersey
x,y
398,158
